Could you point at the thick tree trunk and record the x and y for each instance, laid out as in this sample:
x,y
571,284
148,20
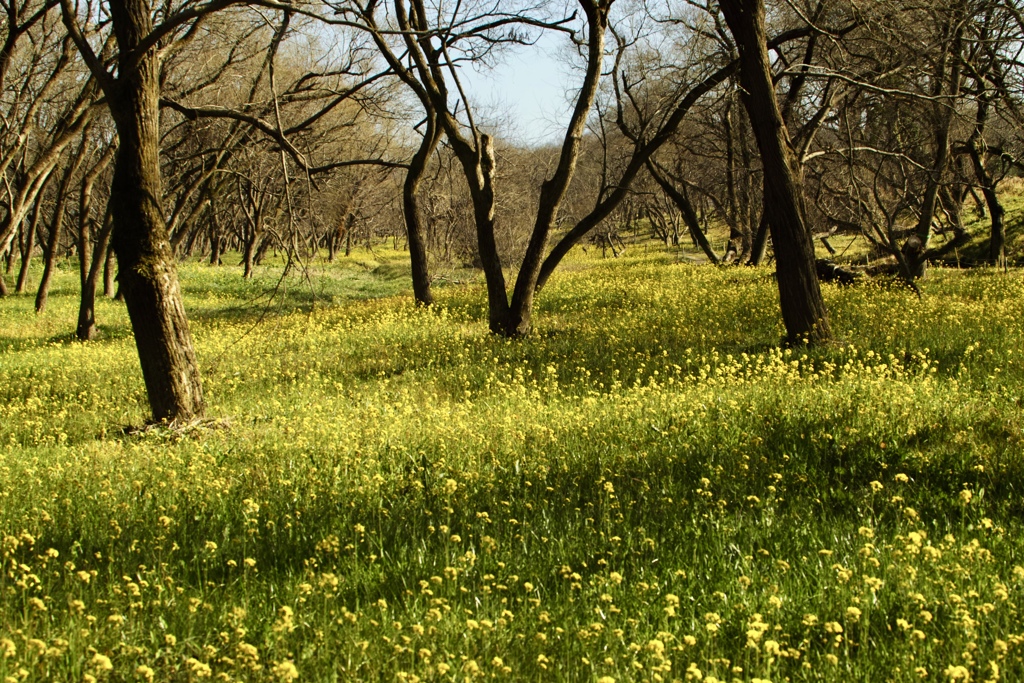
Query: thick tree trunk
x,y
414,229
803,310
146,269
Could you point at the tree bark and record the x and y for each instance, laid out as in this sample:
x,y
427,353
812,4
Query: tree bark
x,y
28,245
803,310
978,152
56,226
216,238
147,273
249,253
9,258
413,218
682,203
109,273
552,190
759,247
916,248
86,329
88,258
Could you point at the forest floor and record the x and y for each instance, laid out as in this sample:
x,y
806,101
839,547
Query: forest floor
x,y
648,488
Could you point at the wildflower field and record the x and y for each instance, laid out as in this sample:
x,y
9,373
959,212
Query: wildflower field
x,y
648,488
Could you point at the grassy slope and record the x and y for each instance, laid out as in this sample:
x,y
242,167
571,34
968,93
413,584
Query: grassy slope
x,y
646,487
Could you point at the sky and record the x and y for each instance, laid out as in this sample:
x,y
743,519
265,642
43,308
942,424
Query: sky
x,y
527,95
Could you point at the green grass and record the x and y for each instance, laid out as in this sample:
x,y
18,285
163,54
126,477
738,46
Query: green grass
x,y
645,488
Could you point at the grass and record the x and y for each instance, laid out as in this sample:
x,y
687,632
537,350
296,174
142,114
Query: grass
x,y
646,489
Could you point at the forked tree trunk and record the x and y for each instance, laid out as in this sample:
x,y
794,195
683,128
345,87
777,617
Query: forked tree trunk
x,y
803,310
86,329
552,190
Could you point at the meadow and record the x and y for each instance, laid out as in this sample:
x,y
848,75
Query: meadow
x,y
648,488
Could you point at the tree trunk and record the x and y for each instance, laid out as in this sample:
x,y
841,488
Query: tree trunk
x,y
997,238
552,190
739,240
977,150
9,260
413,219
89,259
146,269
249,254
760,245
916,248
86,329
478,168
803,310
109,272
952,201
28,245
682,202
216,239
53,239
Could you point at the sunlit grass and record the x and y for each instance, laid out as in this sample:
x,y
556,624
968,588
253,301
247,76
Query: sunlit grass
x,y
648,488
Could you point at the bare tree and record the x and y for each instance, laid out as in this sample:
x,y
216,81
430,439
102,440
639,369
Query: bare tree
x,y
147,272
803,309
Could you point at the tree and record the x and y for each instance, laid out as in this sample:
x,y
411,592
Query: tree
x,y
431,74
146,266
45,104
92,246
803,310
